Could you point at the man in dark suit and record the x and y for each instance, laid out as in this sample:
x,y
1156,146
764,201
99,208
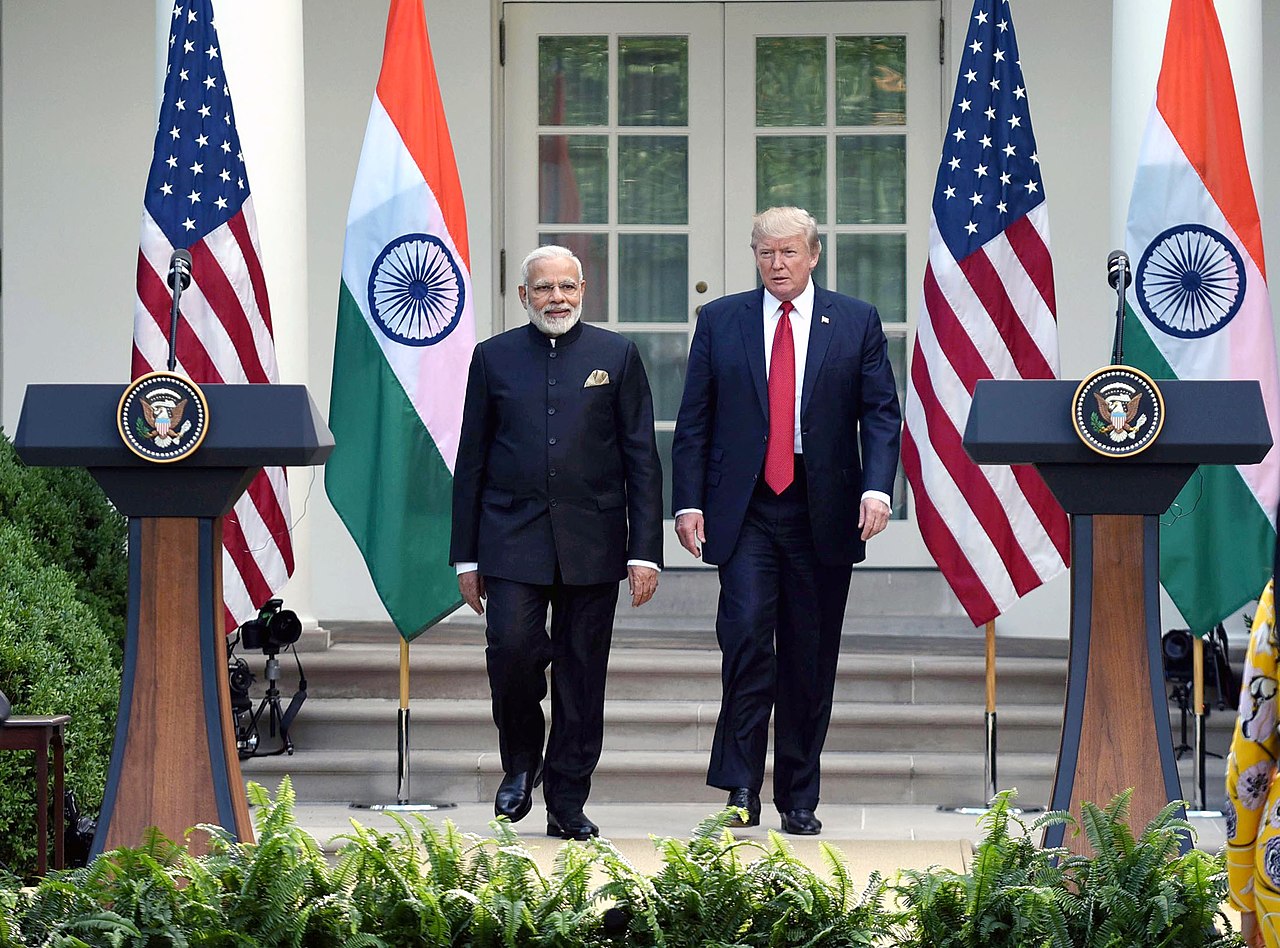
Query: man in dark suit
x,y
557,497
784,457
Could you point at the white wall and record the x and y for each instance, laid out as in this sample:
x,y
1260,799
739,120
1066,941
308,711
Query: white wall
x,y
79,115
79,119
343,55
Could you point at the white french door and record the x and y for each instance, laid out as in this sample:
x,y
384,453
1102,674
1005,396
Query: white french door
x,y
645,135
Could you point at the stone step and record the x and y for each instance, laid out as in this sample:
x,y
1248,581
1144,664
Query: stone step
x,y
672,776
630,725
872,592
638,776
458,671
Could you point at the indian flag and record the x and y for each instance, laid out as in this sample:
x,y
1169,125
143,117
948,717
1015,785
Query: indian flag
x,y
1198,309
406,329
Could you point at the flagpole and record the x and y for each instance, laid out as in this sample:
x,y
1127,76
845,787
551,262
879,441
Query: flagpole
x,y
402,804
1200,806
402,729
991,783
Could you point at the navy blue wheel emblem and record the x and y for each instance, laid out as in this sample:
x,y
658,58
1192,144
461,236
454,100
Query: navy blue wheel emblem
x,y
1190,281
416,293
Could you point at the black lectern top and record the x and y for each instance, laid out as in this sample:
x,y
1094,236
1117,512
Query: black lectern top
x,y
249,427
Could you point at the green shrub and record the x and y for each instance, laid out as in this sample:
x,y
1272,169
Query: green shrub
x,y
54,659
1128,892
1143,891
73,526
434,886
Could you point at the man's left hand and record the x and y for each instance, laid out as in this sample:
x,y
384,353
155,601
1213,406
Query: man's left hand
x,y
872,517
643,581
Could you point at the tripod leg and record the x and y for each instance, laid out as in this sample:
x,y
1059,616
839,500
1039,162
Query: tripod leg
x,y
277,722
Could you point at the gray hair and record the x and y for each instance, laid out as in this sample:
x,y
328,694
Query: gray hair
x,y
547,252
775,223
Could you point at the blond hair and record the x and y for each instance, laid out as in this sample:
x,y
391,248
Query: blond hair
x,y
775,223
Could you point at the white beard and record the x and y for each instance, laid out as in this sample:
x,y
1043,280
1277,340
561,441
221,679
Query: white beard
x,y
553,326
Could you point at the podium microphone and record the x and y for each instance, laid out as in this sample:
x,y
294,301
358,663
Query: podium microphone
x,y
1119,276
179,279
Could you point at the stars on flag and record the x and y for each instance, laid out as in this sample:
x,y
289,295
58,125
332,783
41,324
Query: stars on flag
x,y
989,154
204,146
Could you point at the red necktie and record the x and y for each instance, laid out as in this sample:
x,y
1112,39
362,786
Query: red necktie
x,y
779,458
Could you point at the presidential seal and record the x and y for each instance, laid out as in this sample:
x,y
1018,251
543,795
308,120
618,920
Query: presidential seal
x,y
162,417
1117,411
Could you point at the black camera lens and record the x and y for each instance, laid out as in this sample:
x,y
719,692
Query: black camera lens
x,y
274,628
286,627
1176,646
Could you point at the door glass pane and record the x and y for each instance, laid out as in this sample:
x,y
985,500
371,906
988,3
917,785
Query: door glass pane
x,y
664,355
664,455
653,80
653,278
792,170
873,267
898,359
573,179
871,179
871,86
593,251
653,179
791,81
573,80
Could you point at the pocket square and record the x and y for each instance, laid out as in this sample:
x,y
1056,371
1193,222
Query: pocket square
x,y
598,377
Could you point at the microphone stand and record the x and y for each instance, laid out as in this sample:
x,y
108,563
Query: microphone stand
x,y
173,325
1123,279
179,277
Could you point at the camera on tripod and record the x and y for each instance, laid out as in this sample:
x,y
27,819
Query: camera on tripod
x,y
274,630
1177,647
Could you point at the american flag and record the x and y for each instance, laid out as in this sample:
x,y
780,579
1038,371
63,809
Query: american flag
x,y
198,198
988,311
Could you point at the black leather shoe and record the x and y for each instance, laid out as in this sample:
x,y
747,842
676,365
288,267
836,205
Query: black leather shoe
x,y
748,800
801,823
514,798
574,826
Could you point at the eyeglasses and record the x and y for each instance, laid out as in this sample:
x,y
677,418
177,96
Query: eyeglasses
x,y
567,287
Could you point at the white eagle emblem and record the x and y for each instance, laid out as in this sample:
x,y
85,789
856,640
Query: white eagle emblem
x,y
1119,411
163,415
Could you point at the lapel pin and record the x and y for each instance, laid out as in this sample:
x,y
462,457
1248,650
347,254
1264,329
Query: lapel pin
x,y
825,319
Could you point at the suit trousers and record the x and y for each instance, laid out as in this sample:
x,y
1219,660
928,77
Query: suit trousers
x,y
577,651
778,625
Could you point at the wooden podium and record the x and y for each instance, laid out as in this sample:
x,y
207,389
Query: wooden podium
x,y
174,762
1115,730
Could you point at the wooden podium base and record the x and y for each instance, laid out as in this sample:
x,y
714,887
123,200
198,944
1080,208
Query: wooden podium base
x,y
1115,730
174,763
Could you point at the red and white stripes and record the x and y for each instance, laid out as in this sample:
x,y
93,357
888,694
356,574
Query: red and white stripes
x,y
995,531
224,336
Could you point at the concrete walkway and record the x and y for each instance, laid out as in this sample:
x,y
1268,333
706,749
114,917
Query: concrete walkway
x,y
842,824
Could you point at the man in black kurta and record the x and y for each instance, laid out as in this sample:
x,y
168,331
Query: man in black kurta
x,y
557,497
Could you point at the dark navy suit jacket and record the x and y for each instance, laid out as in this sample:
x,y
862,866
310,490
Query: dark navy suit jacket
x,y
850,420
552,471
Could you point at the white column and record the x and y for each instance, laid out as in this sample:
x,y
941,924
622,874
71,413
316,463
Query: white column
x,y
261,46
1138,30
